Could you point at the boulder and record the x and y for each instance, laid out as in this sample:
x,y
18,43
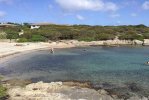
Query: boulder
x,y
138,42
146,42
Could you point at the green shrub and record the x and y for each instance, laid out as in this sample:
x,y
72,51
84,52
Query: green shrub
x,y
12,35
37,38
104,36
87,39
129,36
3,35
22,40
146,35
78,32
3,92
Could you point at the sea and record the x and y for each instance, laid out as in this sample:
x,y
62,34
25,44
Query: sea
x,y
117,69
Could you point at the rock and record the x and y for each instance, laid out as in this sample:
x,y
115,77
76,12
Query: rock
x,y
56,91
61,91
102,91
146,42
117,42
78,84
138,98
138,42
16,82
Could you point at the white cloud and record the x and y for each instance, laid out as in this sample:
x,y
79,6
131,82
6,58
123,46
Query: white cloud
x,y
92,5
133,14
115,15
146,5
79,17
2,14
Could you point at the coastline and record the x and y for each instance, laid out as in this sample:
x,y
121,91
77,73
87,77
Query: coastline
x,y
8,49
104,95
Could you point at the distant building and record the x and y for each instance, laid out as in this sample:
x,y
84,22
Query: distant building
x,y
34,27
38,25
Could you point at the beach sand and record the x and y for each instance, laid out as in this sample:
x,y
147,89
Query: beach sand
x,y
7,49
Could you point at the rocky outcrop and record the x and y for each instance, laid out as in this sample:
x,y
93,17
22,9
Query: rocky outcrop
x,y
61,91
56,91
146,42
118,42
138,42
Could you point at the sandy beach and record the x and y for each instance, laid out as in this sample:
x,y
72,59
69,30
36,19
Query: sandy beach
x,y
14,48
7,49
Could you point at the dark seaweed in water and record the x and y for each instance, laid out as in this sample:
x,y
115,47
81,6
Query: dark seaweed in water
x,y
135,88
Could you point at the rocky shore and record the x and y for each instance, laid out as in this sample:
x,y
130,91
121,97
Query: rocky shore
x,y
62,91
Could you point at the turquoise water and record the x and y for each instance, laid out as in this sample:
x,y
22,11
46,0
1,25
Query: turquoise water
x,y
113,65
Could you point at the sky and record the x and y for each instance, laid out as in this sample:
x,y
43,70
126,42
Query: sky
x,y
90,12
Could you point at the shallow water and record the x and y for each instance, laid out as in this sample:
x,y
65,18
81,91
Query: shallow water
x,y
112,65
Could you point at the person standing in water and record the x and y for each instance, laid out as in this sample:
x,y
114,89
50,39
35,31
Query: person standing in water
x,y
52,50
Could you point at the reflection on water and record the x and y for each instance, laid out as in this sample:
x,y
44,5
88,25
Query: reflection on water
x,y
114,65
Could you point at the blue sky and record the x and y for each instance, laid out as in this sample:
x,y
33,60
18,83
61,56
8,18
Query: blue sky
x,y
92,12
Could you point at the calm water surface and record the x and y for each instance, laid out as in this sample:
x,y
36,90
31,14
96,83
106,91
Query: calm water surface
x,y
114,65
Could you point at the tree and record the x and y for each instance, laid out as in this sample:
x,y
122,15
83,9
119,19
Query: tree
x,y
12,35
2,35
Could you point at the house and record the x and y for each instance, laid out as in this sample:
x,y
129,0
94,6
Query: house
x,y
38,25
34,27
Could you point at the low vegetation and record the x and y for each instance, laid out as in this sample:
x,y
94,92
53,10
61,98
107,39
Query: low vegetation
x,y
78,32
3,91
3,35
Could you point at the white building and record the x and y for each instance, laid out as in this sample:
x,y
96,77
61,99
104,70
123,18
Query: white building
x,y
38,25
34,27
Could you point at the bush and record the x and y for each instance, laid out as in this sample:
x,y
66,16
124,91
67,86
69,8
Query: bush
x,y
146,35
3,35
78,32
12,35
129,36
22,40
37,38
87,39
3,92
104,36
